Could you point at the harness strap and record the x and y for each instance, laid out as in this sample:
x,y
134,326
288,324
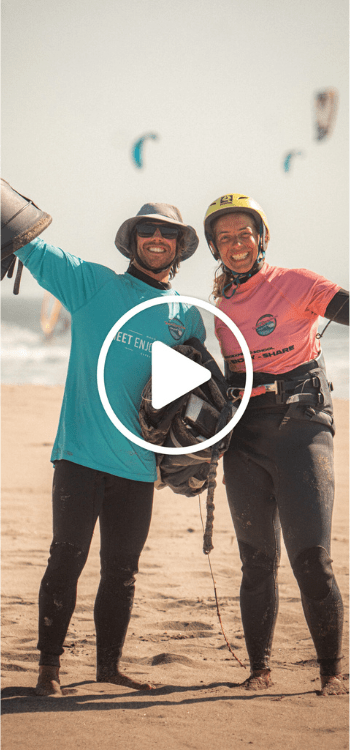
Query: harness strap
x,y
195,456
285,390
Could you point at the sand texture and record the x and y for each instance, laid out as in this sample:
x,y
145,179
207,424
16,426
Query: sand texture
x,y
174,639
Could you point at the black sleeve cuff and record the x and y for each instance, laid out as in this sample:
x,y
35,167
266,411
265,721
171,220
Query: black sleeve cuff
x,y
338,308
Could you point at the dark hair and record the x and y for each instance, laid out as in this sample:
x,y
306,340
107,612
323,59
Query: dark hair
x,y
180,245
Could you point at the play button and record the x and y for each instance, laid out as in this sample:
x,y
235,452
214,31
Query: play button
x,y
111,336
173,375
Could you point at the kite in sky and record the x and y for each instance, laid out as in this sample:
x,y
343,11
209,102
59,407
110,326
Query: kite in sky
x,y
288,159
137,148
325,107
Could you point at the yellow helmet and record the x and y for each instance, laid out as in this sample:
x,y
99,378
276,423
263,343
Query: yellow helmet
x,y
232,203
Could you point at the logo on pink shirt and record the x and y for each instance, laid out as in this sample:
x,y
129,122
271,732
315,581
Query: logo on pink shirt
x,y
266,325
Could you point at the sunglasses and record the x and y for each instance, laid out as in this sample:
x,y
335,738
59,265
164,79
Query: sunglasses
x,y
146,229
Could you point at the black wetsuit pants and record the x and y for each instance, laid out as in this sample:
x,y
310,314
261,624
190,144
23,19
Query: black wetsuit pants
x,y
282,477
124,508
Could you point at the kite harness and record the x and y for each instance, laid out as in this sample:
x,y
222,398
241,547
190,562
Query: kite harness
x,y
187,421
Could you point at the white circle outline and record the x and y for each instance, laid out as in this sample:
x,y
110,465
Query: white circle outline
x,y
102,360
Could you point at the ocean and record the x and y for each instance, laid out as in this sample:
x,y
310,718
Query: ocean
x,y
28,357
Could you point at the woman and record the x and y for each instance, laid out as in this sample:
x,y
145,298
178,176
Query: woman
x,y
279,467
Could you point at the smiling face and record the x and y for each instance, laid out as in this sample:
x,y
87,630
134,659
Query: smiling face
x,y
237,240
156,252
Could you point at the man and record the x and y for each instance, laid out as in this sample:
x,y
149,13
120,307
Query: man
x,y
98,472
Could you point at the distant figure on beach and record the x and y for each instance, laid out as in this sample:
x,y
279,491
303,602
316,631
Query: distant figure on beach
x,y
99,473
279,467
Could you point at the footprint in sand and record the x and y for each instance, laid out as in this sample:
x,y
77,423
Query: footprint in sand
x,y
180,630
187,626
171,659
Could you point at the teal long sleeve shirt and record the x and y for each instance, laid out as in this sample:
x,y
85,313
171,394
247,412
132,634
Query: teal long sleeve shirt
x,y
96,298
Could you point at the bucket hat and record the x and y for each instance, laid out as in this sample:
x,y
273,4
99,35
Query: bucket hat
x,y
160,212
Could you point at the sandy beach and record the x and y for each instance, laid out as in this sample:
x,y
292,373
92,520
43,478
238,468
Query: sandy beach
x,y
174,638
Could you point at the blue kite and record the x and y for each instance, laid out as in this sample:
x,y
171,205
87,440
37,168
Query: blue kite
x,y
137,148
288,158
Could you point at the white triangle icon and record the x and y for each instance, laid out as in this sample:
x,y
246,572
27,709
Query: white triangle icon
x,y
173,375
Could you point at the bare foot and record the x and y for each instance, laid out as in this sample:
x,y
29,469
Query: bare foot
x,y
332,685
260,679
48,682
122,679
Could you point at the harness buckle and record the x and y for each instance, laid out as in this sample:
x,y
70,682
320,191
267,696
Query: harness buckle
x,y
233,394
276,387
271,387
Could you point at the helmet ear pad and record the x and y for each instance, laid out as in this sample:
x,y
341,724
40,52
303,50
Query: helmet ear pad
x,y
211,243
214,249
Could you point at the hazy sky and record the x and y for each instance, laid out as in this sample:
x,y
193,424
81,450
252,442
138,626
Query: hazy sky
x,y
228,87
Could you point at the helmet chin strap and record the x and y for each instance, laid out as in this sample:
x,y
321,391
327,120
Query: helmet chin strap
x,y
239,278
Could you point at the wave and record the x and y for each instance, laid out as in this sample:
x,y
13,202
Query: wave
x,y
28,358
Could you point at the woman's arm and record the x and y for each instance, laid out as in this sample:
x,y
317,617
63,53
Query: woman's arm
x,y
338,308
